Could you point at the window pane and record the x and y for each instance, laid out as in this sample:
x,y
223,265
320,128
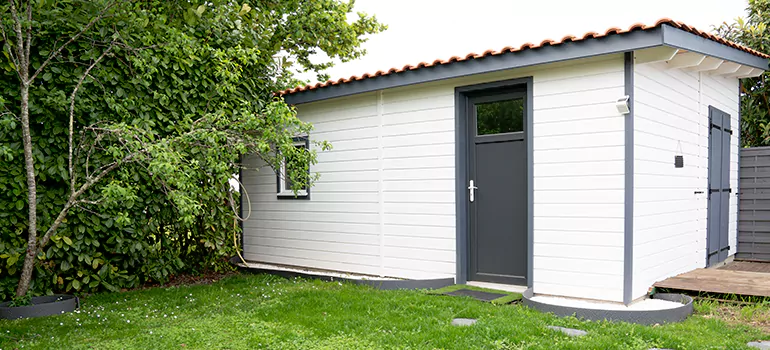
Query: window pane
x,y
500,117
291,163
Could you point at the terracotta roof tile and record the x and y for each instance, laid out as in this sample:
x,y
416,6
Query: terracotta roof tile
x,y
529,46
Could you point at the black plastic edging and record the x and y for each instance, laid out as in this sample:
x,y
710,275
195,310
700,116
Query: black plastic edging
x,y
48,305
644,317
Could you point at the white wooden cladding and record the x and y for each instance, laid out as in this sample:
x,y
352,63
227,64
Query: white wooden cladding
x,y
671,118
385,203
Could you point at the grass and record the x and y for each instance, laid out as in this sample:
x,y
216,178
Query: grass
x,y
267,312
507,299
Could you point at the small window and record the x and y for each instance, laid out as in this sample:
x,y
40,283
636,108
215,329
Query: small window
x,y
284,182
500,117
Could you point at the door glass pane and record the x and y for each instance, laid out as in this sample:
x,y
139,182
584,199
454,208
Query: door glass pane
x,y
500,117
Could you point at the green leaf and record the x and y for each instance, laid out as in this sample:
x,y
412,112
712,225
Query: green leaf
x,y
110,287
67,240
12,260
244,9
76,284
199,11
65,265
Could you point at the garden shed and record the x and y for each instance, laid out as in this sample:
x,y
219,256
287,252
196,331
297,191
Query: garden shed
x,y
585,167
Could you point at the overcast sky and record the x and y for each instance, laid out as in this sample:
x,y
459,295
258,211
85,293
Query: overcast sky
x,y
424,30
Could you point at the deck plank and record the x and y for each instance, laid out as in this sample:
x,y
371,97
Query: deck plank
x,y
721,281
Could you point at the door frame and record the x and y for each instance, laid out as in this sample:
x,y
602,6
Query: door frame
x,y
462,170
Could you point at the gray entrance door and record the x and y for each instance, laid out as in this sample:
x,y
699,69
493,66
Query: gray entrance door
x,y
497,190
717,243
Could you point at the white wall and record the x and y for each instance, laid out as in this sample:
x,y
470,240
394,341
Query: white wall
x,y
579,181
385,201
671,113
384,204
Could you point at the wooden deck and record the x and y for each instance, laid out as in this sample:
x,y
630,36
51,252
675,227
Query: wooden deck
x,y
730,279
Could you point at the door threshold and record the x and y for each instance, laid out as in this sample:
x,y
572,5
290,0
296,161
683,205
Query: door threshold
x,y
504,287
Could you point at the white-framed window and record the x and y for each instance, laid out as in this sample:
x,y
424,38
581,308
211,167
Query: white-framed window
x,y
285,190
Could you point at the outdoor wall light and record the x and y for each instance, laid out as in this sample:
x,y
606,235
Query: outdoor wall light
x,y
622,105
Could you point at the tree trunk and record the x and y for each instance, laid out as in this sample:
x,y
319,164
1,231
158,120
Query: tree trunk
x,y
29,164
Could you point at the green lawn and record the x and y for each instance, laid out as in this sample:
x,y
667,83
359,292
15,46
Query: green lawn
x,y
260,311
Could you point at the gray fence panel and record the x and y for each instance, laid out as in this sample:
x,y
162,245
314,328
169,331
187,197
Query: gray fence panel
x,y
754,214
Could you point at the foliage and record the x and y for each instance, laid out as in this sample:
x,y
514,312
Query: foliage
x,y
182,89
21,301
752,31
268,312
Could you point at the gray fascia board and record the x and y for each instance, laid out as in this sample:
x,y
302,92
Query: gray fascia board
x,y
681,39
611,44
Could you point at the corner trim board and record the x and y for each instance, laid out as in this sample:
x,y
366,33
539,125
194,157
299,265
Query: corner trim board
x,y
628,214
240,196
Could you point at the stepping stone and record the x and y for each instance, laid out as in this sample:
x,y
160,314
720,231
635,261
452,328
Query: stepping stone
x,y
763,344
463,321
569,331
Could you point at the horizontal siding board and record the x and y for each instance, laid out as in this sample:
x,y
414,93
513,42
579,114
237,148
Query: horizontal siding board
x,y
570,155
425,196
590,252
405,230
579,278
586,141
442,243
338,257
304,243
443,185
608,239
601,267
278,227
581,290
579,196
568,127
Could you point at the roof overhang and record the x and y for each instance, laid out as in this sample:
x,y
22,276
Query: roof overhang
x,y
661,36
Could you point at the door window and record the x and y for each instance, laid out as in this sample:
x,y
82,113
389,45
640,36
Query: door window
x,y
500,117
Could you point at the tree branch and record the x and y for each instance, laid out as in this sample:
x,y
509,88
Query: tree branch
x,y
23,65
59,50
6,42
29,28
72,115
73,199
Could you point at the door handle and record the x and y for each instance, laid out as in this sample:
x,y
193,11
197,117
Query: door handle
x,y
472,191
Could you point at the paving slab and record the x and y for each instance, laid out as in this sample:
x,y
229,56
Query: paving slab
x,y
569,331
463,321
763,344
